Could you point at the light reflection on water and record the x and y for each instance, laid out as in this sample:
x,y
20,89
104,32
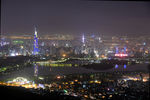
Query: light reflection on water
x,y
35,70
50,71
117,66
125,66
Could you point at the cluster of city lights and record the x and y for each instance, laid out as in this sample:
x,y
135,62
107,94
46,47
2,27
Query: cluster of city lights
x,y
23,82
121,55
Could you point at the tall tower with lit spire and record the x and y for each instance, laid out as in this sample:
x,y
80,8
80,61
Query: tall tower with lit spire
x,y
83,39
35,48
83,44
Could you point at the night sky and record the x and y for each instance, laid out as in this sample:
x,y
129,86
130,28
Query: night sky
x,y
75,17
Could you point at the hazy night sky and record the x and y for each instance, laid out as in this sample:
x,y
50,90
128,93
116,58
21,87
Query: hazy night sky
x,y
75,16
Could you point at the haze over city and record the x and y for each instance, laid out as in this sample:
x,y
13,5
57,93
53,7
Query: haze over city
x,y
75,17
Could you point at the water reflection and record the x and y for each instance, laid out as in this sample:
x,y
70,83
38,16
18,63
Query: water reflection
x,y
35,70
117,66
125,66
50,68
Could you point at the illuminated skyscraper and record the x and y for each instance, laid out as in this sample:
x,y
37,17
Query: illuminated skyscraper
x,y
83,39
117,51
35,48
83,44
125,49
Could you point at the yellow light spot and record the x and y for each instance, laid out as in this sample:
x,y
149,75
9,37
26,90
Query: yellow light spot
x,y
64,55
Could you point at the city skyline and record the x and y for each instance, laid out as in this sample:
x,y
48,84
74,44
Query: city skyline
x,y
75,49
75,17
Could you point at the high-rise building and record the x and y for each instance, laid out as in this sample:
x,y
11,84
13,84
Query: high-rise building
x,y
83,44
35,48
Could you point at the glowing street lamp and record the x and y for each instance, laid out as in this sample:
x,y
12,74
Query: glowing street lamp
x,y
64,55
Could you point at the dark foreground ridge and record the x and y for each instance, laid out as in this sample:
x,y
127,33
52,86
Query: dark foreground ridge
x,y
22,93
